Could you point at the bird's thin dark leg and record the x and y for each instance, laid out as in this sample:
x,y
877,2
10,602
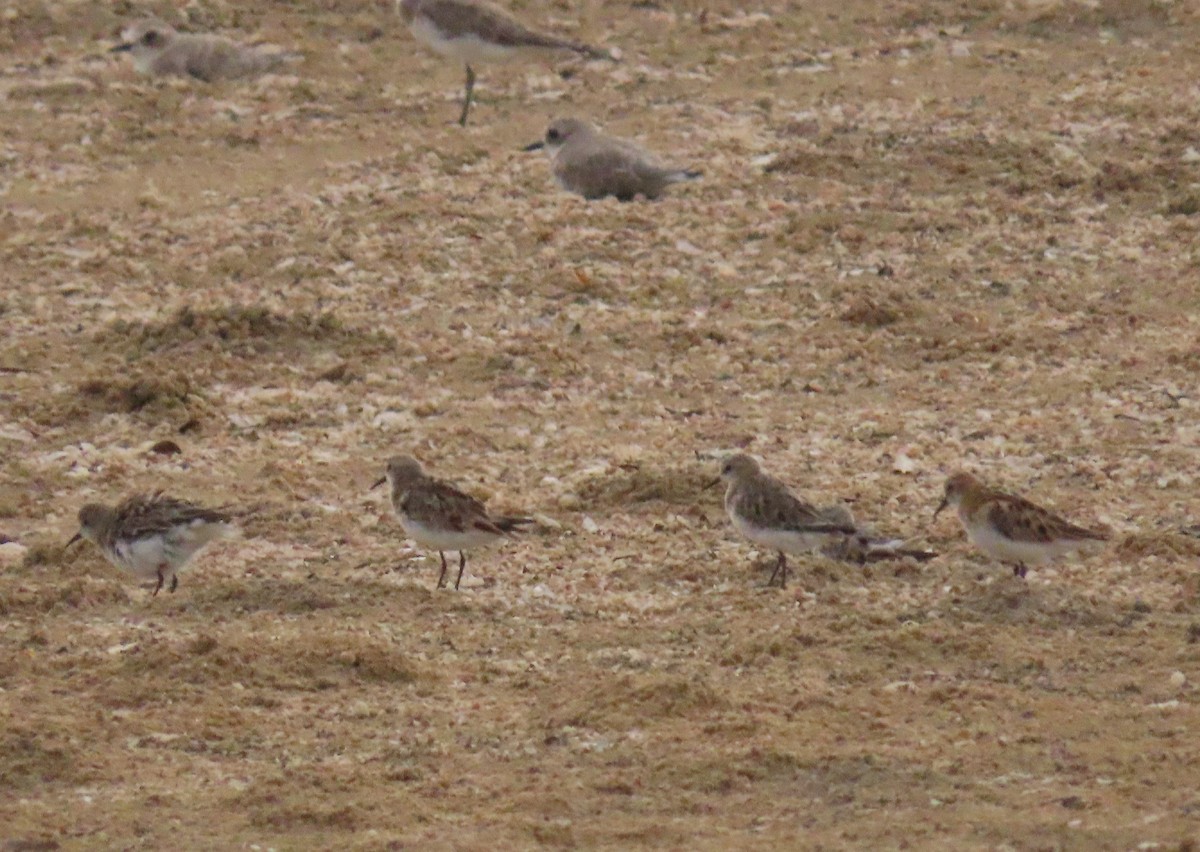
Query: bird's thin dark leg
x,y
462,566
780,571
1019,569
174,583
160,581
442,576
462,119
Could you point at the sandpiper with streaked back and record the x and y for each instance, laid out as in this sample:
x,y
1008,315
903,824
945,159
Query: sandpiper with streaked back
x,y
1011,529
437,515
594,165
159,50
474,31
153,535
765,512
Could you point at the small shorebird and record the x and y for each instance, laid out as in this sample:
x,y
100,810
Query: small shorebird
x,y
437,515
1011,529
153,536
159,50
474,31
587,162
865,545
764,511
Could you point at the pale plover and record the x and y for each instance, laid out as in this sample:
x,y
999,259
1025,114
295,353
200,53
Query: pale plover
x,y
437,515
153,535
594,165
1011,529
157,49
765,512
474,31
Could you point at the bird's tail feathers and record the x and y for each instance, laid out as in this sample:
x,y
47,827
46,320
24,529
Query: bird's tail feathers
x,y
512,524
864,548
275,59
203,534
682,175
594,52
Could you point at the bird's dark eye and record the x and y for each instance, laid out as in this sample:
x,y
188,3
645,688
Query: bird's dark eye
x,y
150,37
552,135
727,469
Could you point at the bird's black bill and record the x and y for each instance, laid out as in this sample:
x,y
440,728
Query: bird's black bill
x,y
377,484
74,539
941,506
534,146
121,48
711,484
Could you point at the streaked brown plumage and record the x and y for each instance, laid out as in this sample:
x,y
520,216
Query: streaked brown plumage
x,y
438,515
1010,528
152,535
763,510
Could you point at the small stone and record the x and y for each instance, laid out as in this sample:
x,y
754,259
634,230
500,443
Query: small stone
x,y
1178,679
12,552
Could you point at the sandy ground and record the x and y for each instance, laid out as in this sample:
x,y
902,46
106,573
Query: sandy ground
x,y
928,237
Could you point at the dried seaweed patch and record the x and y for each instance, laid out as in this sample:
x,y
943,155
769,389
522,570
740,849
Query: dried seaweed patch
x,y
680,486
629,701
237,328
130,394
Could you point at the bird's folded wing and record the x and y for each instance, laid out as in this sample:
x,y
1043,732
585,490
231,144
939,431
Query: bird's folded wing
x,y
1020,520
439,504
773,506
143,515
463,20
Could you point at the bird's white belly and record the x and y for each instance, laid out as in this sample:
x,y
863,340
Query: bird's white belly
x,y
785,541
439,539
990,541
467,49
143,556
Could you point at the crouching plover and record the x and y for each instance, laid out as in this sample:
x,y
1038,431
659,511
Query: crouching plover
x,y
153,536
764,511
474,31
864,545
1010,528
158,50
588,162
437,515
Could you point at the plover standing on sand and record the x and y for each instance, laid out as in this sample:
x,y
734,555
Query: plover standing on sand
x,y
153,536
437,515
1011,529
764,511
159,50
587,162
474,31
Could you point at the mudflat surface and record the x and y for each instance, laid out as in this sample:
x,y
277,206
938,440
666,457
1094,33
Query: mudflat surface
x,y
930,235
